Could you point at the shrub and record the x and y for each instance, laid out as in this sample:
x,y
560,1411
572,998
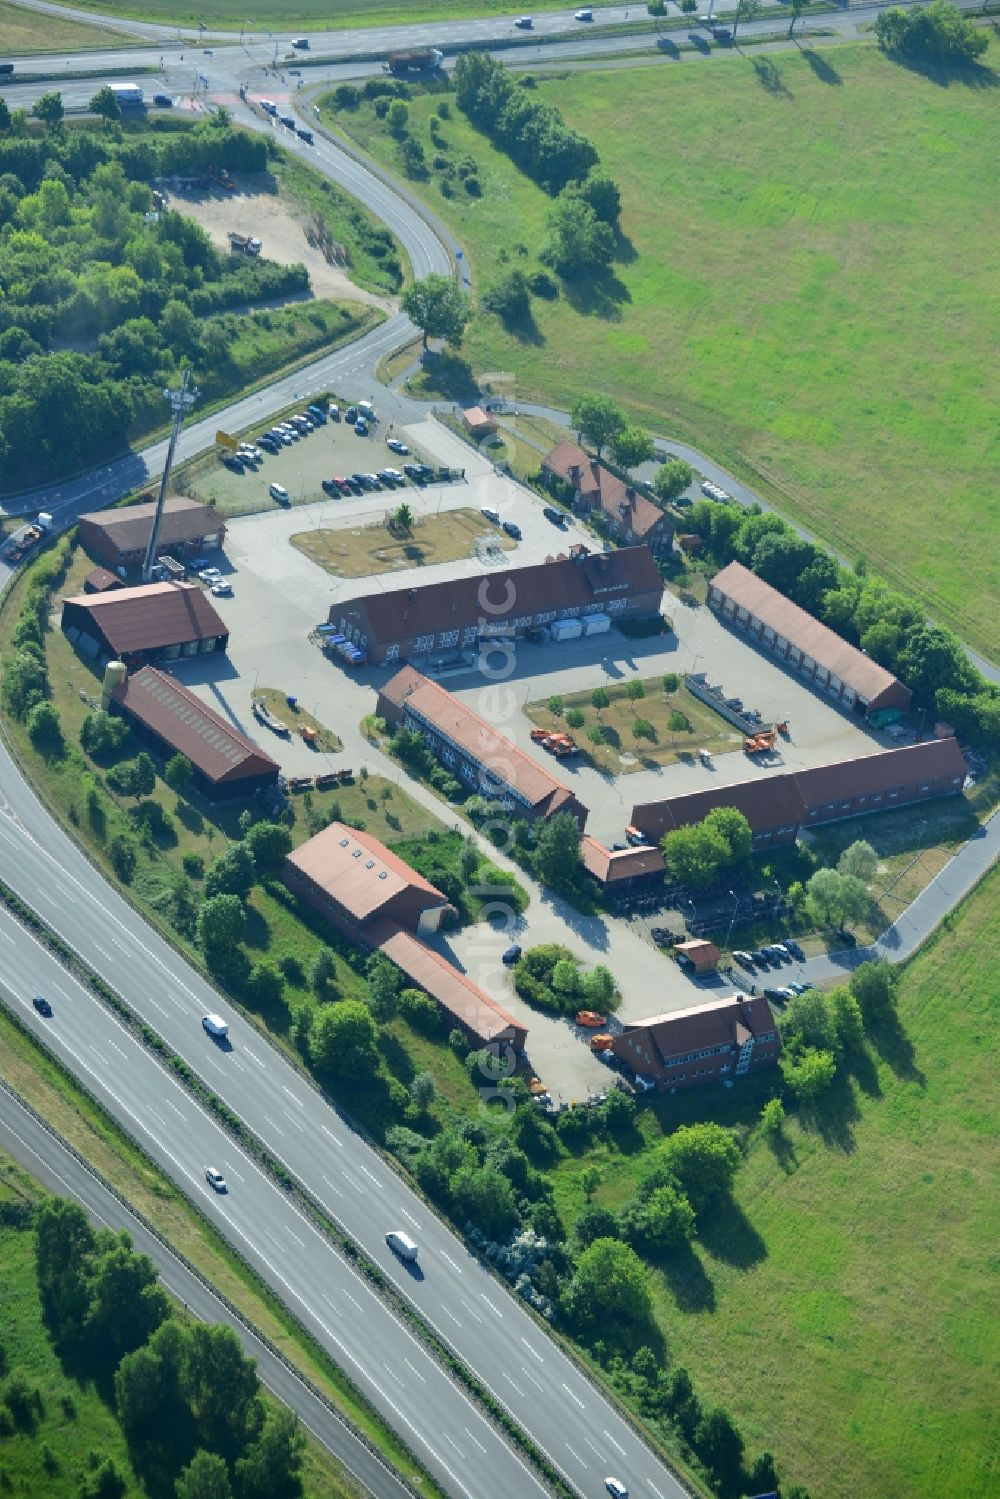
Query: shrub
x,y
193,865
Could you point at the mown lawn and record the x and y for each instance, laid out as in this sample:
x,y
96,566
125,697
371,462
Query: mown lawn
x,y
787,297
842,1310
373,548
22,34
293,16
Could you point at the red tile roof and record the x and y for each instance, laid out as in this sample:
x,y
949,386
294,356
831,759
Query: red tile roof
x,y
127,527
887,770
720,1022
191,728
358,871
454,991
612,865
599,486
152,616
823,645
409,688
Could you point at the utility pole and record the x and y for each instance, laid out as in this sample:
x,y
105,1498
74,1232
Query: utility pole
x,y
180,403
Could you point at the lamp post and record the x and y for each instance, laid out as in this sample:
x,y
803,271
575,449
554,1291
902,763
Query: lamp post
x,y
181,401
732,919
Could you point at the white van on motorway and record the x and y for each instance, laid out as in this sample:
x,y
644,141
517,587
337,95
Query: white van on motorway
x,y
402,1245
216,1026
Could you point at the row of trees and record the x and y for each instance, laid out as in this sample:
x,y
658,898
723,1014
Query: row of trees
x,y
822,1031
937,33
602,423
549,976
188,1400
889,626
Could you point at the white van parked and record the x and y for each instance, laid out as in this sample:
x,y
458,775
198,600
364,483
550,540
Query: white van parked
x,y
402,1245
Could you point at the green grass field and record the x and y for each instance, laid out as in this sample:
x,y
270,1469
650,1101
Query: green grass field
x,y
256,16
806,292
21,35
841,1314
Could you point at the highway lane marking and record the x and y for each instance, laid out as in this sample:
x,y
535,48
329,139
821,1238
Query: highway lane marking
x,y
238,1065
533,1351
656,1491
6,935
151,1001
158,1117
102,1059
393,1375
354,1301
233,1172
44,895
292,1235
409,1217
483,1297
116,1047
115,943
617,1445
369,1174
595,1450
270,1121
449,1313
513,1386
528,1375
471,1310
479,1444
569,1392
332,1187
104,953
455,1445
260,1064
446,1256
292,1096
175,1109
577,1456
300,1127
269,1235
351,1182
60,990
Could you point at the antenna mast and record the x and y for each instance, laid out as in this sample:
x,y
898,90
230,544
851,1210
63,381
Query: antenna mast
x,y
181,402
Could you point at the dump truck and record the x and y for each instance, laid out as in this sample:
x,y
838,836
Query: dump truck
x,y
419,60
760,743
22,541
244,244
221,178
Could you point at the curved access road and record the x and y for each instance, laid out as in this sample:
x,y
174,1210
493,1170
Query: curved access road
x,y
405,1384
47,1158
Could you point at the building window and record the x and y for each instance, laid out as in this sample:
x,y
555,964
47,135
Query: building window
x,y
392,653
448,755
545,617
423,642
616,604
470,634
448,637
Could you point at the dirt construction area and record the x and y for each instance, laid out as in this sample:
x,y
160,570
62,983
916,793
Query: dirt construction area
x,y
258,208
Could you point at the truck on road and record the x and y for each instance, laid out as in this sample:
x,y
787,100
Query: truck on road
x,y
22,541
418,60
244,244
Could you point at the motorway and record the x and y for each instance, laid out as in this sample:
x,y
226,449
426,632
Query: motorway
x,y
408,1387
565,1415
52,1163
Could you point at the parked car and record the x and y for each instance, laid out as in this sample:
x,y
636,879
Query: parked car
x,y
373,481
215,1179
388,477
781,954
165,101
795,950
269,444
511,955
351,414
396,444
333,411
42,1005
361,427
394,474
280,493
222,589
512,529
761,958
233,463
344,485
210,575
776,994
744,959
557,517
316,414
491,515
304,134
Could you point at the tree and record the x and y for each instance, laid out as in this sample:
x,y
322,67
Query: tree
x,y
101,735
566,978
205,1477
810,1073
343,1040
49,109
635,690
874,987
64,1240
772,1117
221,923
232,873
140,1394
4,115
402,517
45,730
859,860
671,479
632,447
656,8
643,729
437,307
412,154
809,1022
671,682
578,241
384,983
557,851
704,1159
731,824
746,10
264,987
271,1466
509,298
599,697
555,705
596,734
937,33
663,1220
178,772
222,1386
397,117
267,843
720,1447
845,1017
603,196
599,987
796,7
590,1181
695,854
123,853
103,1482
105,104
423,1091
608,1286
677,723
594,1223
833,899
322,971
482,1196
125,1301
575,718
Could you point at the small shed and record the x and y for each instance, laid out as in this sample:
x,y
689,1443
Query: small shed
x,y
100,580
478,422
699,955
690,541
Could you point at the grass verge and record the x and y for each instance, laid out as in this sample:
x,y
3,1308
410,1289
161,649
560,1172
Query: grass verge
x,y
373,548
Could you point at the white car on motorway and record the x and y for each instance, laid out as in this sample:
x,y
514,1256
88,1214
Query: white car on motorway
x,y
215,1179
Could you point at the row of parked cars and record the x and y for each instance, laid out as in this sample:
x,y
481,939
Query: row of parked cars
x,y
774,956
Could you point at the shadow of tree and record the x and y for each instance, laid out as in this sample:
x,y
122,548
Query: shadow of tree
x,y
189,817
597,294
524,329
397,1058
770,79
824,71
689,1283
783,1150
448,375
834,1114
258,933
625,250
862,1068
896,1049
727,1234
965,75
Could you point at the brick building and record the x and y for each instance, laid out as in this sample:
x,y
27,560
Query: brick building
x,y
725,1038
473,750
840,669
626,514
119,537
155,622
454,616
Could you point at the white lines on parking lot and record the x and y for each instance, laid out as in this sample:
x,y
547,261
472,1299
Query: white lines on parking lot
x,y
446,1256
494,1309
275,1127
533,1351
569,1392
413,1369
617,1445
292,1096
516,1388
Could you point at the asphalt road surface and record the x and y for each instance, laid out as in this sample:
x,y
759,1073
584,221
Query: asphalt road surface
x,y
45,1156
408,1387
565,1415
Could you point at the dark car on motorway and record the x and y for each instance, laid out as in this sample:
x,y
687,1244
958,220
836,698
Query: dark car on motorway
x,y
165,101
42,1005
